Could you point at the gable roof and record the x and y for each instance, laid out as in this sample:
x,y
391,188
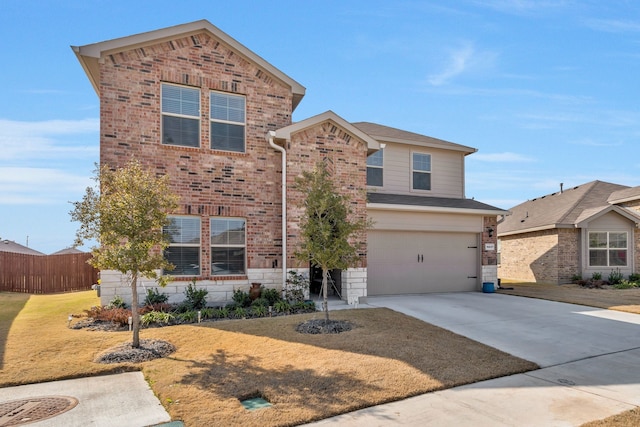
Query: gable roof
x,y
389,134
564,209
286,132
433,204
67,251
89,55
626,195
10,246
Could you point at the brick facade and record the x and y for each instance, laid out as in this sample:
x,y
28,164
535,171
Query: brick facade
x,y
210,183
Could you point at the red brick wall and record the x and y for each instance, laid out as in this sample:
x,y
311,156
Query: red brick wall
x,y
210,183
346,157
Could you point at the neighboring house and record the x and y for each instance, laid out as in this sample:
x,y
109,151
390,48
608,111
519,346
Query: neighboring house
x,y
591,228
191,102
10,246
67,251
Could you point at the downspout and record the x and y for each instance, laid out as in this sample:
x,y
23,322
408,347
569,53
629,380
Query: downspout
x,y
270,137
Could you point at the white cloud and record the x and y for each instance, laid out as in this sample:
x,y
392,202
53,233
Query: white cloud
x,y
29,185
462,60
48,139
523,7
506,157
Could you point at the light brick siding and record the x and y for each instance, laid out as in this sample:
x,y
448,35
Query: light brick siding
x,y
210,183
549,256
217,183
346,158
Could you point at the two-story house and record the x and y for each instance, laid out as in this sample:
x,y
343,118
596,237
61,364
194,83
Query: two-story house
x,y
193,103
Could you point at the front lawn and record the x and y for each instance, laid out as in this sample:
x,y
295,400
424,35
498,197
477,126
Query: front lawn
x,y
387,356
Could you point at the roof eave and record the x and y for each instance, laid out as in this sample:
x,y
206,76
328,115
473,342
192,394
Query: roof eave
x,y
438,209
442,145
89,55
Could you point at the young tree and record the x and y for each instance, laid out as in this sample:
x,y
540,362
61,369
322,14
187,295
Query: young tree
x,y
326,226
125,213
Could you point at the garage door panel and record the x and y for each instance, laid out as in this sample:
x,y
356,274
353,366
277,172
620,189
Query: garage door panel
x,y
405,262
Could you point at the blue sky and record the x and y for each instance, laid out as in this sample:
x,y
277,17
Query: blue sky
x,y
547,91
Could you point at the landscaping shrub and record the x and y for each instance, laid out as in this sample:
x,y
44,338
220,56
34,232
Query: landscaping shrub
x,y
259,310
156,317
154,296
241,298
615,277
297,287
117,302
271,295
118,316
282,306
195,299
260,302
625,284
634,277
596,276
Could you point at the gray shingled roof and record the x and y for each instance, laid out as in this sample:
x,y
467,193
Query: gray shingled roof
x,y
620,196
386,133
439,202
558,210
10,246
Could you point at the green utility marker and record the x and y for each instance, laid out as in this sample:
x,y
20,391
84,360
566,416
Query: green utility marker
x,y
255,403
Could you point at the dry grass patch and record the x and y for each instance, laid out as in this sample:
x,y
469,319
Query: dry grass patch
x,y
614,299
387,356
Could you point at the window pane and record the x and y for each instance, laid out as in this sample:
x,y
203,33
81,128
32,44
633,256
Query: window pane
x,y
597,240
618,258
227,232
421,181
180,131
227,261
183,230
374,177
185,259
618,240
375,159
421,162
597,258
227,137
180,100
227,107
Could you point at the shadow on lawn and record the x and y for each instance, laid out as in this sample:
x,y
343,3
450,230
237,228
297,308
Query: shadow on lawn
x,y
230,376
10,306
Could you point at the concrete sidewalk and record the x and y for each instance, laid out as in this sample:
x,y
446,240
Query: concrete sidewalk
x,y
589,359
123,400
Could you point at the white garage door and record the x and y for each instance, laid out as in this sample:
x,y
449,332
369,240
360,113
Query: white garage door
x,y
408,262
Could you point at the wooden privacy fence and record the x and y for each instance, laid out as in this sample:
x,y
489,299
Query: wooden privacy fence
x,y
46,274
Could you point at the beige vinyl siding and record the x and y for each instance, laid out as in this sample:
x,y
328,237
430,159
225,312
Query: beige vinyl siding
x,y
610,222
394,220
447,176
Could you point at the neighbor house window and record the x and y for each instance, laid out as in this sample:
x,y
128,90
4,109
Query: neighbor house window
x,y
180,116
607,249
227,122
374,169
183,252
421,171
228,246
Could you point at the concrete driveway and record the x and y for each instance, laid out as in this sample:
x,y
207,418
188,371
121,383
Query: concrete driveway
x,y
589,359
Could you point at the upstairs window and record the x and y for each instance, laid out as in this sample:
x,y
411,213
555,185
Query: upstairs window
x,y
607,249
421,171
183,252
180,116
228,246
374,169
227,122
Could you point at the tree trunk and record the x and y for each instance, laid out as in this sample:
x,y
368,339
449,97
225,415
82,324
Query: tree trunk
x,y
135,318
324,295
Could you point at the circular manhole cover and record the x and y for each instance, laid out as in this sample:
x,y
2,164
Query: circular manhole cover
x,y
25,411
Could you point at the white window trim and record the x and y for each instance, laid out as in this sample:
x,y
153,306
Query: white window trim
x,y
430,172
189,245
231,122
182,116
378,167
244,245
607,249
